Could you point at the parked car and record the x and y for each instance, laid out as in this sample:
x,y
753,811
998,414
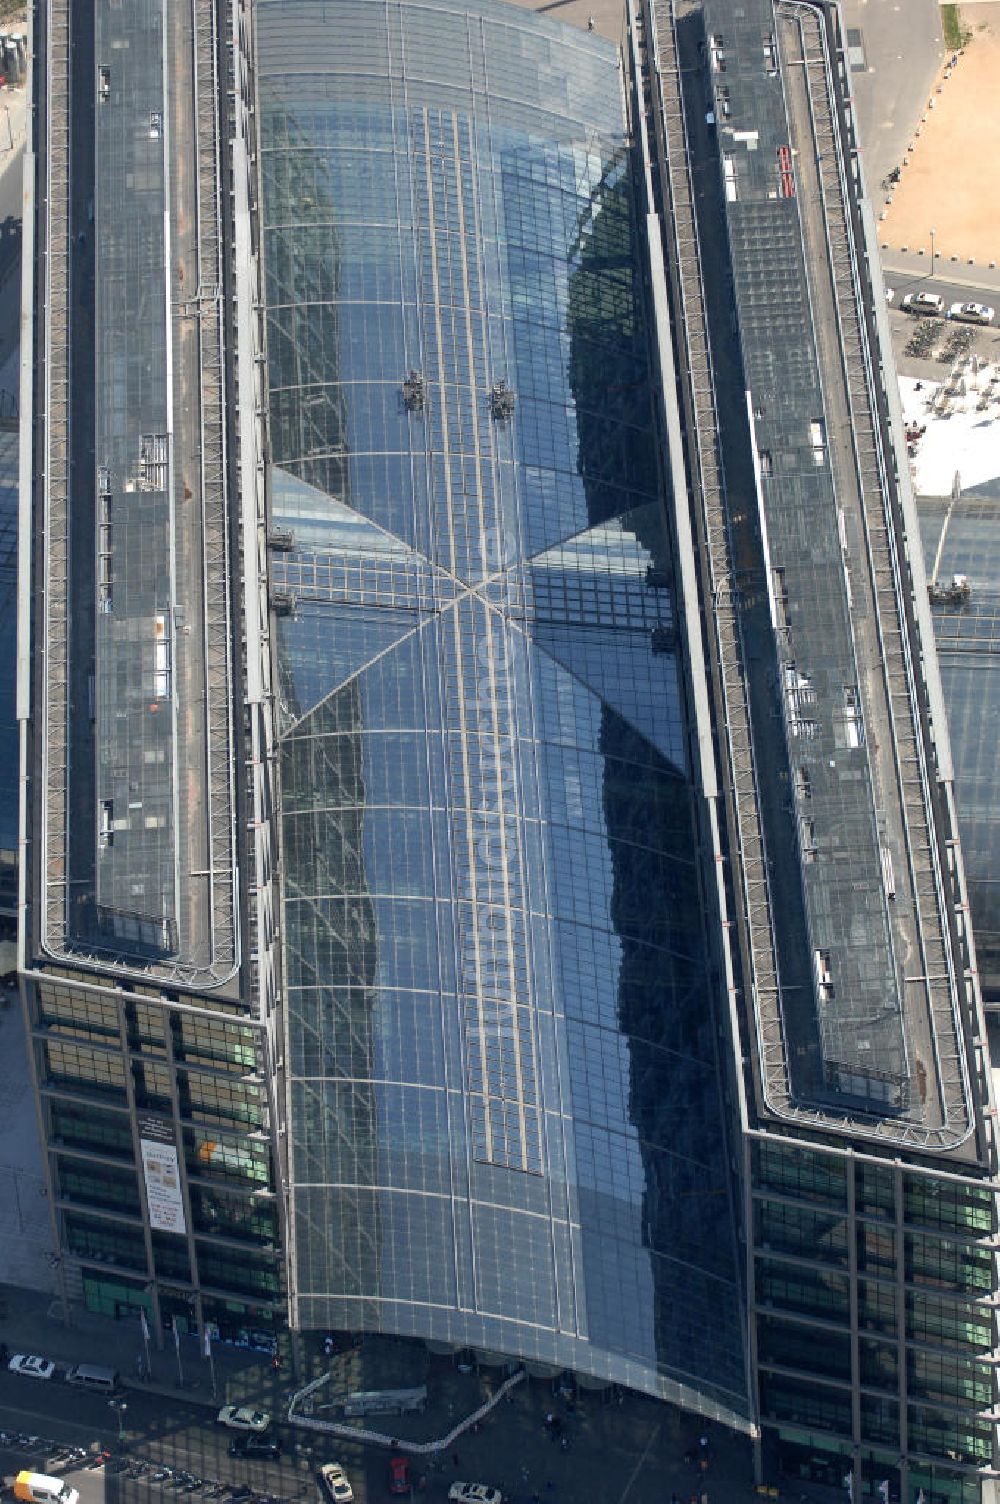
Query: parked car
x,y
255,1445
242,1418
922,302
33,1368
334,1480
971,313
399,1475
474,1493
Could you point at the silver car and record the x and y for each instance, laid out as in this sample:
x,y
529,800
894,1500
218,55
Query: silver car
x,y
971,313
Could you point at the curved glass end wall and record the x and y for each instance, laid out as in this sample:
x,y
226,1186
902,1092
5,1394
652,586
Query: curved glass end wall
x,y
506,1127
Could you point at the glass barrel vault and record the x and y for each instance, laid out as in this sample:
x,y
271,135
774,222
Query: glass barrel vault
x,y
506,1126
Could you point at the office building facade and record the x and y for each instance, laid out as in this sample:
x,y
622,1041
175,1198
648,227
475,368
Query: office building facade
x,y
612,1006
869,1156
146,912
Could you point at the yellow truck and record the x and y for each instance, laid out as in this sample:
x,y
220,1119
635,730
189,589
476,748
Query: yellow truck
x,y
39,1488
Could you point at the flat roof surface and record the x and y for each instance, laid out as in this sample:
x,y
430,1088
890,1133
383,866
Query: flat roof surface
x,y
867,1010
137,748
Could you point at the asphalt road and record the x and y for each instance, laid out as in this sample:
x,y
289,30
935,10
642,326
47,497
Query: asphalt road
x,y
162,1430
951,292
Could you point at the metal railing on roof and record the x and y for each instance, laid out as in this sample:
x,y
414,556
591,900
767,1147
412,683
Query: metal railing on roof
x,y
889,586
55,260
735,733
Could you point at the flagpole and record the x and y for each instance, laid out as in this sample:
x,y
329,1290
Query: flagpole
x,y
211,1359
177,1346
145,1340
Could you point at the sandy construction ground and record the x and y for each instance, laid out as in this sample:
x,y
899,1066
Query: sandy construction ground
x,y
951,183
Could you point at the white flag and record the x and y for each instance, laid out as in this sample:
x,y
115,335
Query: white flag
x,y
883,1489
177,1335
143,1323
208,1342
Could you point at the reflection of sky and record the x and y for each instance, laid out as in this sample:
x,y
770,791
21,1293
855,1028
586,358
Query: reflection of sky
x,y
532,1000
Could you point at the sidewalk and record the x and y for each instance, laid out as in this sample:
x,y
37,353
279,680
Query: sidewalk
x,y
910,264
33,1322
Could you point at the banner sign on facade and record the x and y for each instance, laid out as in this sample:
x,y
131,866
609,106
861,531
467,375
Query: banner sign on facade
x,y
162,1176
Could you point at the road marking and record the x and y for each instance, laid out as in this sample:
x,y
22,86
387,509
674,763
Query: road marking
x,y
635,1471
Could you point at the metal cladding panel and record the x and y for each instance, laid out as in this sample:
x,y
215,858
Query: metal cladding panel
x,y
505,1118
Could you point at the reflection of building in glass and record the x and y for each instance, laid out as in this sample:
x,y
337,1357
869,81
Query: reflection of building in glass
x,y
506,1125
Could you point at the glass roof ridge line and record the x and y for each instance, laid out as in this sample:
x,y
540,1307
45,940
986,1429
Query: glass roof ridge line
x,y
418,626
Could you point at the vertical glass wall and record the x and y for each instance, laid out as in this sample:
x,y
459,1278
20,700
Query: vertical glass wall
x,y
505,1113
920,1348
114,1070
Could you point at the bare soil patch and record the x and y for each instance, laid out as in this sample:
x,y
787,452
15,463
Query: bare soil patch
x,y
951,181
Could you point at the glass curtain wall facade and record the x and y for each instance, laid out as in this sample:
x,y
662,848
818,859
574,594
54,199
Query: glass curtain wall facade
x,y
873,1289
506,1127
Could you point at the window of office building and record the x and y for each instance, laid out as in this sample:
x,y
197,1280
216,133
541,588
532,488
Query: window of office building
x,y
782,1228
254,1220
199,1040
949,1433
90,1127
810,1292
104,1241
948,1264
879,1364
83,1015
874,1190
876,1248
233,1269
930,1202
170,1257
801,1173
79,1065
212,1155
792,1344
117,1297
152,1085
96,1185
219,1099
879,1419
948,1378
877,1307
803,1402
948,1323
145,1025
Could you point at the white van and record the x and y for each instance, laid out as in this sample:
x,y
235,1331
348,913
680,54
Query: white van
x,y
39,1488
90,1376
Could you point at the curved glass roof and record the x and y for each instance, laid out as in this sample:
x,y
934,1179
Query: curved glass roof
x,y
505,1111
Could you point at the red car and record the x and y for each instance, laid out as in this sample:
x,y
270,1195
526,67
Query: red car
x,y
399,1475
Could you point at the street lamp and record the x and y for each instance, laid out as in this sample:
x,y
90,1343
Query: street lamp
x,y
121,1406
932,253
